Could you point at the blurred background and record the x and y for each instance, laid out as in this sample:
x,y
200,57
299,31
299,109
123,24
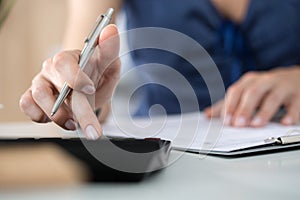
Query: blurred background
x,y
32,31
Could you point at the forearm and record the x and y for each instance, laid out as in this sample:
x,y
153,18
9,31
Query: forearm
x,y
81,17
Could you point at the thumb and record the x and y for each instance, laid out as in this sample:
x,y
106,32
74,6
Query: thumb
x,y
109,43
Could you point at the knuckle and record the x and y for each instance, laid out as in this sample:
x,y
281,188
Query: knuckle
x,y
27,106
25,102
235,88
267,77
40,92
47,64
250,75
35,80
59,59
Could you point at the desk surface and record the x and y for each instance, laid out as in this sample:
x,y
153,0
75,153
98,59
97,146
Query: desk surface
x,y
272,176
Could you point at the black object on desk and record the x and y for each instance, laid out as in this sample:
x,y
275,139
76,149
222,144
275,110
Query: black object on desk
x,y
101,172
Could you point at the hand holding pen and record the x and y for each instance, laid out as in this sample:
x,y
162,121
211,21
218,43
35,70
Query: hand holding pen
x,y
100,81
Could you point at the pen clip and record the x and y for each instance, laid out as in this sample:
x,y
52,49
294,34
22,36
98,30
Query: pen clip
x,y
107,15
87,40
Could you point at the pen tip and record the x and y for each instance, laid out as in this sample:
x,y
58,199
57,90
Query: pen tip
x,y
52,114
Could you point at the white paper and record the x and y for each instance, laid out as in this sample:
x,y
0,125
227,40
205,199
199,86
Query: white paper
x,y
195,132
187,132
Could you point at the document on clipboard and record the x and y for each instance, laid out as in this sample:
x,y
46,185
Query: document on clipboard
x,y
290,140
193,132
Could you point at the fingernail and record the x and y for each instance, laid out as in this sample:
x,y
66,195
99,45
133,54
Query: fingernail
x,y
88,89
227,120
240,121
257,121
288,121
70,124
91,133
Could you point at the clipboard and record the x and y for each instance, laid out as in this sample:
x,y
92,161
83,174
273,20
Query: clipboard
x,y
271,145
207,139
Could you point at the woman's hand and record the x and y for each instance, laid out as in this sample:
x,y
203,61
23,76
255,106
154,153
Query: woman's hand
x,y
257,96
96,83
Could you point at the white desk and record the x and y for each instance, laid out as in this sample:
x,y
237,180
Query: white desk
x,y
272,176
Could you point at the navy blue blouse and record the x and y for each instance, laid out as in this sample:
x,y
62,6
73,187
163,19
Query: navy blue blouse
x,y
267,38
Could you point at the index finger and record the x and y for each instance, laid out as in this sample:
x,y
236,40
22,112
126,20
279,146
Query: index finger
x,y
234,94
250,100
64,68
84,114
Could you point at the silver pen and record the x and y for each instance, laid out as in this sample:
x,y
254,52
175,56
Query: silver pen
x,y
86,53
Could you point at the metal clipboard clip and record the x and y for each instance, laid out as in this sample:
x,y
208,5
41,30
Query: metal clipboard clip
x,y
286,139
